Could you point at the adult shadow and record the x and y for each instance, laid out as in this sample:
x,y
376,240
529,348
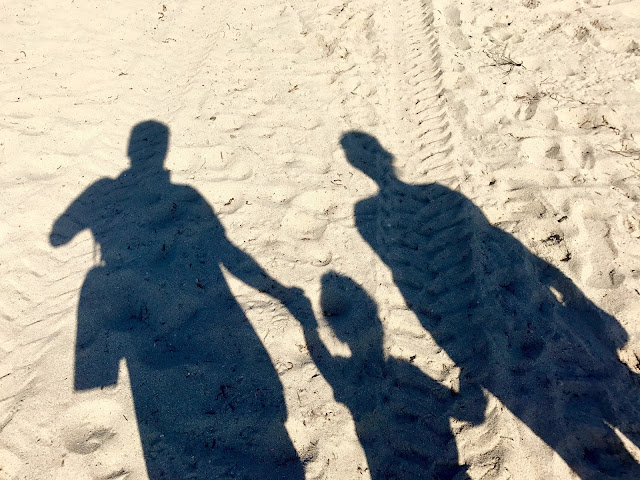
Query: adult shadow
x,y
401,415
208,401
515,325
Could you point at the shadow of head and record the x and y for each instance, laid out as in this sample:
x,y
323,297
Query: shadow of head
x,y
366,154
148,145
351,313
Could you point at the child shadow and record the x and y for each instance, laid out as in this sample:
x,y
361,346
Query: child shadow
x,y
401,415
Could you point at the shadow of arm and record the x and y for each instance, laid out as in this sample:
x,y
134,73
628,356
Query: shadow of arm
x,y
241,265
250,272
75,218
584,314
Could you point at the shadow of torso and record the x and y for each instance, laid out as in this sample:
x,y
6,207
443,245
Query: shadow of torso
x,y
400,416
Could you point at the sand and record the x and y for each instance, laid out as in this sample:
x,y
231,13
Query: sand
x,y
342,240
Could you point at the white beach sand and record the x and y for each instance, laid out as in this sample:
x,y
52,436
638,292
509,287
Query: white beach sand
x,y
453,186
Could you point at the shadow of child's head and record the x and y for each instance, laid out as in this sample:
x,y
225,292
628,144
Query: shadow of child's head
x,y
148,145
352,314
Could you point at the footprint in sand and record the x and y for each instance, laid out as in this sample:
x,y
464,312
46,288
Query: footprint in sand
x,y
542,152
89,425
303,225
579,153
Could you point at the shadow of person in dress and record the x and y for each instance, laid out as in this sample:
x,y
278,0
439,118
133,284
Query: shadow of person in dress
x,y
401,415
208,401
515,325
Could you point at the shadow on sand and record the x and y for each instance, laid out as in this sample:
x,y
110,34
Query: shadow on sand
x,y
208,401
515,325
401,415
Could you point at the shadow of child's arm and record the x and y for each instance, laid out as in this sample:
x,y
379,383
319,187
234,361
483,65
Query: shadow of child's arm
x,y
424,396
470,404
329,366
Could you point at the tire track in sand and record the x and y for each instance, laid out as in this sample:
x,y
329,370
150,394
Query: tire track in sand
x,y
421,112
428,235
520,333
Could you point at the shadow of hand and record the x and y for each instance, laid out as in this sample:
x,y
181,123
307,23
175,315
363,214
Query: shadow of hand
x,y
300,307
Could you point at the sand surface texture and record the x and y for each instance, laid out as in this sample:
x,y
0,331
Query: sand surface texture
x,y
323,240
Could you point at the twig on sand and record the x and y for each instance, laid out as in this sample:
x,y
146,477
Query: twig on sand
x,y
501,59
627,153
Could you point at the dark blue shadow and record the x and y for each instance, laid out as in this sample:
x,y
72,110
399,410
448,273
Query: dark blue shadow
x,y
208,401
401,415
513,323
